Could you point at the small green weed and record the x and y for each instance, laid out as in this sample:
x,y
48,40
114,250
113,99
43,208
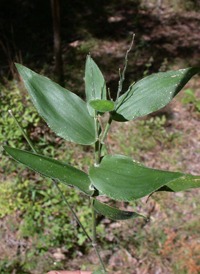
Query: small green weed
x,y
191,99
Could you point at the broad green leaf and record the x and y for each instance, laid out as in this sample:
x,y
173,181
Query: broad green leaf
x,y
53,169
102,105
151,93
123,179
184,183
95,86
113,213
65,113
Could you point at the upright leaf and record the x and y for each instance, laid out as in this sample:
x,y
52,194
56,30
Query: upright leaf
x,y
123,179
95,86
53,169
114,213
65,113
102,105
151,93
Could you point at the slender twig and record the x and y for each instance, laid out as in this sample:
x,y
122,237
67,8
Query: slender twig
x,y
122,76
22,131
125,97
72,211
109,95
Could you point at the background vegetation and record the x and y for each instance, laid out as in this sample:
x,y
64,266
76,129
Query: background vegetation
x,y
37,232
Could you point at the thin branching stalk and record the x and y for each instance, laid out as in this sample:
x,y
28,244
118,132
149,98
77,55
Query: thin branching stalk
x,y
54,181
72,211
122,76
106,129
22,131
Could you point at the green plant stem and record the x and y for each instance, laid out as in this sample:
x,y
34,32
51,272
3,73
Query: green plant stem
x,y
94,243
98,147
104,135
100,142
97,157
73,213
55,183
22,131
97,144
106,129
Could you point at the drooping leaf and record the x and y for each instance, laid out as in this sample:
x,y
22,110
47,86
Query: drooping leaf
x,y
123,179
53,169
102,105
113,213
184,183
95,86
65,113
151,93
